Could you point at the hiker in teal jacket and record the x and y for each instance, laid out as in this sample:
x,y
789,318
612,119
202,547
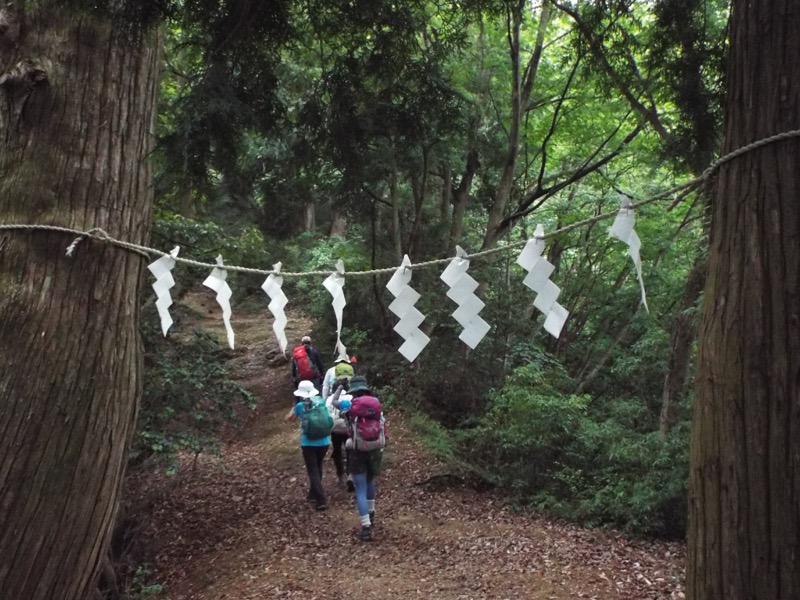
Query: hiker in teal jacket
x,y
314,450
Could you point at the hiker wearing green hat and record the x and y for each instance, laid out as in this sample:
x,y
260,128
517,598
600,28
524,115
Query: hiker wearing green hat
x,y
367,431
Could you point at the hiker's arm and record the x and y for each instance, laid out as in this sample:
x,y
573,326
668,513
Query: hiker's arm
x,y
335,399
326,386
291,416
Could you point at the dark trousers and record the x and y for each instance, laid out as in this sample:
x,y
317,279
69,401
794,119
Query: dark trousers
x,y
338,440
313,457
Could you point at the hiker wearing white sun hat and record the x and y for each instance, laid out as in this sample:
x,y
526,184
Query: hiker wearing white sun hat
x,y
315,437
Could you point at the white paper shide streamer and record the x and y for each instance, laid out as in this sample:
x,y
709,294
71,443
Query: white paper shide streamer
x,y
622,229
462,292
216,281
162,271
335,286
538,279
403,306
278,301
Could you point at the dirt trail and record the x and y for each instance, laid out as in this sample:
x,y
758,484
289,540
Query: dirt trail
x,y
239,527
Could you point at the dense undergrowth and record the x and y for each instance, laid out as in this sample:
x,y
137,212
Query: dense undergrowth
x,y
569,457
188,394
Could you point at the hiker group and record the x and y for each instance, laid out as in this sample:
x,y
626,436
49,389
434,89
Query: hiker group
x,y
336,407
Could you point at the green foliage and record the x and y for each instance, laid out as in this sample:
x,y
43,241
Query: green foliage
x,y
187,395
321,254
435,437
639,482
204,240
139,588
580,459
526,420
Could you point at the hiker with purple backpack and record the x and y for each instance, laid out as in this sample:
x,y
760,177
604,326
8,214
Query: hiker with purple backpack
x,y
367,431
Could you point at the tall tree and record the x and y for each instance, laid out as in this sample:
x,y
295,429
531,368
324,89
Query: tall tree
x,y
744,537
79,92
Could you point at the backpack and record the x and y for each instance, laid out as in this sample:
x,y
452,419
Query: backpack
x,y
317,423
368,427
343,370
339,422
304,367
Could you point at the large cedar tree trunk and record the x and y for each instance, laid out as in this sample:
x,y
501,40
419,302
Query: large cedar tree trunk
x,y
744,536
76,130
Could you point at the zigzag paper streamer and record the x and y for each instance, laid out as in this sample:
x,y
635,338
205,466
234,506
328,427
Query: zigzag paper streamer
x,y
161,270
278,301
335,285
403,306
216,281
622,229
462,288
538,279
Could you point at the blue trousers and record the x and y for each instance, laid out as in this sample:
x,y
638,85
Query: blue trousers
x,y
365,490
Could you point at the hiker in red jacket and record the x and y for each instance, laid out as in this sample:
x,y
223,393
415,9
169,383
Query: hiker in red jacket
x,y
307,364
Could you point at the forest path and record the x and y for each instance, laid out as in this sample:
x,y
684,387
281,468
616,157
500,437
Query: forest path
x,y
239,527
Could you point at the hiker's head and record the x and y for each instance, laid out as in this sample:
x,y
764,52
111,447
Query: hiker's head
x,y
358,386
306,341
306,389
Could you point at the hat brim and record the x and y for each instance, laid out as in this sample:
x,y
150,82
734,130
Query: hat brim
x,y
302,394
358,388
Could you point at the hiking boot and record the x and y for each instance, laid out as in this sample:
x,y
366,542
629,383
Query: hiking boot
x,y
341,478
351,487
366,534
372,518
321,506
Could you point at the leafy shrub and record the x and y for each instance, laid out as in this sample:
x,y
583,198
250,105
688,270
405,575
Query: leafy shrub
x,y
321,255
637,482
579,459
524,433
435,437
139,588
187,395
204,240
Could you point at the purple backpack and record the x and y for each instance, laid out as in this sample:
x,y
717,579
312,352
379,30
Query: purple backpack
x,y
368,426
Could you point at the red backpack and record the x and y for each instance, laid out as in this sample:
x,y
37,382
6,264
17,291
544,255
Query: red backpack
x,y
367,423
304,366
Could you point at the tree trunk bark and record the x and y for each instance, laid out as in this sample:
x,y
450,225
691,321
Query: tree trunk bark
x,y
419,189
744,533
521,87
397,233
310,220
460,197
77,121
339,224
